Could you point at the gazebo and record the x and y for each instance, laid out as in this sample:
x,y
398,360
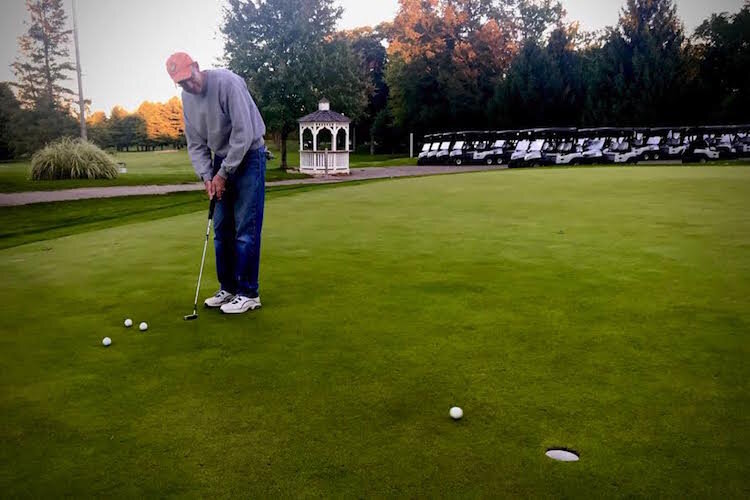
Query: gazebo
x,y
324,141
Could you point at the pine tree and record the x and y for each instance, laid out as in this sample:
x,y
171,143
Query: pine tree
x,y
44,59
9,117
641,69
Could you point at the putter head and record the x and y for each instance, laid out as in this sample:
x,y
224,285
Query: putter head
x,y
190,317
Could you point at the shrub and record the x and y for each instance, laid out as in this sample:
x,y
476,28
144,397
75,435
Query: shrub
x,y
72,159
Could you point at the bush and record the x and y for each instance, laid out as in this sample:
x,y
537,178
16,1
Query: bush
x,y
72,159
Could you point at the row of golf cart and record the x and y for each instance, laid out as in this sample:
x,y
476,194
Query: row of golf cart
x,y
573,146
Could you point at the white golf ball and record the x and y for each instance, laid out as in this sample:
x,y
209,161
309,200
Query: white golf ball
x,y
456,413
128,322
143,326
106,341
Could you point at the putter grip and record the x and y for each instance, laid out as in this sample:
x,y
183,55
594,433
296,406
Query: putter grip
x,y
211,208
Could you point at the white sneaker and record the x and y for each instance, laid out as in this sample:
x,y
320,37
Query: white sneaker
x,y
240,304
218,300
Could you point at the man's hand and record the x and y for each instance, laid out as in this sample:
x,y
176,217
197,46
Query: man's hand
x,y
210,190
219,185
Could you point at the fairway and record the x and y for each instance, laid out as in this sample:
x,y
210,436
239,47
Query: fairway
x,y
603,310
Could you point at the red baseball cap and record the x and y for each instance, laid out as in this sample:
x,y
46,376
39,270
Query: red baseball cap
x,y
179,66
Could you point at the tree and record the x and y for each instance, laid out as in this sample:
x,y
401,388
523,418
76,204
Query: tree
x,y
527,96
544,86
172,110
44,60
445,58
98,129
10,111
367,44
127,130
286,52
722,56
39,126
535,18
158,126
639,74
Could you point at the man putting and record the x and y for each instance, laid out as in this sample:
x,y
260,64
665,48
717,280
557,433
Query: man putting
x,y
221,118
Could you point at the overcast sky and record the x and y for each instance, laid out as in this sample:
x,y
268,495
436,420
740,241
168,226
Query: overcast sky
x,y
124,44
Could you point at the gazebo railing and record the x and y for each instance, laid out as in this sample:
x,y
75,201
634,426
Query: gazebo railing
x,y
331,162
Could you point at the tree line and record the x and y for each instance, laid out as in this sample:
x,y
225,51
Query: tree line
x,y
37,108
153,125
26,130
438,65
466,64
489,64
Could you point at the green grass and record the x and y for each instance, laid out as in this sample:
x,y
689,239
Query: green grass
x,y
157,167
168,167
604,310
43,221
363,160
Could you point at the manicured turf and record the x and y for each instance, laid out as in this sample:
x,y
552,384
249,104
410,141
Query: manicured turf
x,y
603,310
42,221
156,167
168,167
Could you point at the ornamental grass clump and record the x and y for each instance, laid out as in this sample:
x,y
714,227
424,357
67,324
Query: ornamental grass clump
x,y
72,159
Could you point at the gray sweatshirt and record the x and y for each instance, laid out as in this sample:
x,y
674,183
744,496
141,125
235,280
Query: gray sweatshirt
x,y
223,120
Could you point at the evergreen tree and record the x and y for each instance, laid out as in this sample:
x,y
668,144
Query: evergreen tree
x,y
528,95
722,60
640,74
10,111
43,64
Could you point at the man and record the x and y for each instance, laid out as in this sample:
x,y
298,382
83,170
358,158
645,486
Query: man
x,y
221,118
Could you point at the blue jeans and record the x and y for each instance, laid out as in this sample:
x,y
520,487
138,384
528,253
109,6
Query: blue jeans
x,y
238,219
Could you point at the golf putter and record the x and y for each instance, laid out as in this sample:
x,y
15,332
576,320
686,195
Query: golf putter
x,y
203,260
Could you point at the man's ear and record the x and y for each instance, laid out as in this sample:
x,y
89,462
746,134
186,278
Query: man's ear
x,y
197,68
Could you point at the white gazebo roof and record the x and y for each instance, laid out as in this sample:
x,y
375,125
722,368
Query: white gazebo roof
x,y
324,115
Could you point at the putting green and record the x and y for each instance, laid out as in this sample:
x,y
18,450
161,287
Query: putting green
x,y
600,310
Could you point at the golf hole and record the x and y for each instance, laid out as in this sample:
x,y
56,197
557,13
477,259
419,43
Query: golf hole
x,y
562,455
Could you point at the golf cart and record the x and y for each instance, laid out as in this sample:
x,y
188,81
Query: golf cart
x,y
620,148
741,141
651,150
597,140
426,147
443,153
434,148
698,148
493,154
522,147
674,144
463,148
723,139
561,147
